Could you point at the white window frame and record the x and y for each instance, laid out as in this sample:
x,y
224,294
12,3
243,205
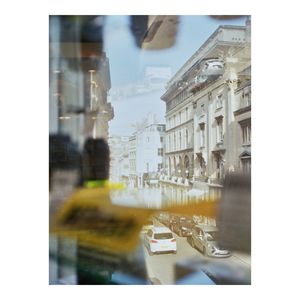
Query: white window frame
x,y
219,101
220,130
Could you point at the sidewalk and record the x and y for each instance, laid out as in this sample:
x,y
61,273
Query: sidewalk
x,y
244,257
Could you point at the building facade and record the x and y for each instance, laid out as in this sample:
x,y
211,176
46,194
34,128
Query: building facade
x,y
208,110
149,153
179,133
119,158
133,181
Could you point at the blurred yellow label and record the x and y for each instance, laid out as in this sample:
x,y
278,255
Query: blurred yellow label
x,y
90,217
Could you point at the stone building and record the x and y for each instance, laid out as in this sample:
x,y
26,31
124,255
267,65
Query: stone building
x,y
150,150
208,110
179,132
119,158
132,161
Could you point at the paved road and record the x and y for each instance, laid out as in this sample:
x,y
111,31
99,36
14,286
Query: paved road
x,y
164,268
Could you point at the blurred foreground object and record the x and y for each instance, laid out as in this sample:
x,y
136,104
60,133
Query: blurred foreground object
x,y
95,161
234,213
216,272
64,170
64,177
226,17
90,216
154,32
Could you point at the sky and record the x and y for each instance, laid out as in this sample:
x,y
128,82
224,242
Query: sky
x,y
127,63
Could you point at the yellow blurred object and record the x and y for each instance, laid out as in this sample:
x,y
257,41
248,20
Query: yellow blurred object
x,y
90,217
115,185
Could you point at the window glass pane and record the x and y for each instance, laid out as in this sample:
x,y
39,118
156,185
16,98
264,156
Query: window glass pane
x,y
139,106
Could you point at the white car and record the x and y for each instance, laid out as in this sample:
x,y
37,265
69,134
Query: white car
x,y
159,240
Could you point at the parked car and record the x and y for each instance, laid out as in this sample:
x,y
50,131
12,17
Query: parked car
x,y
203,238
181,225
164,218
160,240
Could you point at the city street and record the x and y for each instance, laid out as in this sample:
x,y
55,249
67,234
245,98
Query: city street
x,y
165,135
162,267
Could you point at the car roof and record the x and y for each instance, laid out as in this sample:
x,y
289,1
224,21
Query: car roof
x,y
161,230
207,228
180,216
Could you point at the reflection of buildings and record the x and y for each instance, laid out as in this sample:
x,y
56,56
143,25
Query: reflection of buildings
x,y
149,152
79,82
119,158
209,109
132,161
155,79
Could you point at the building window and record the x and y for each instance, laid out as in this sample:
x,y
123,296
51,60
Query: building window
x,y
161,139
160,128
202,109
219,101
174,120
219,130
246,133
180,117
160,151
202,135
170,145
180,145
186,138
247,99
159,166
174,146
186,113
246,164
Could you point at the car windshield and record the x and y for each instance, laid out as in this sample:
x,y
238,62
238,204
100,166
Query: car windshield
x,y
163,236
211,236
186,221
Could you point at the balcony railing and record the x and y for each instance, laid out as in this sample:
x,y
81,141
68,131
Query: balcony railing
x,y
218,181
201,178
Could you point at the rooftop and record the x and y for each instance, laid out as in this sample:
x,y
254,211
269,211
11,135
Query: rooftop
x,y
161,229
208,45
